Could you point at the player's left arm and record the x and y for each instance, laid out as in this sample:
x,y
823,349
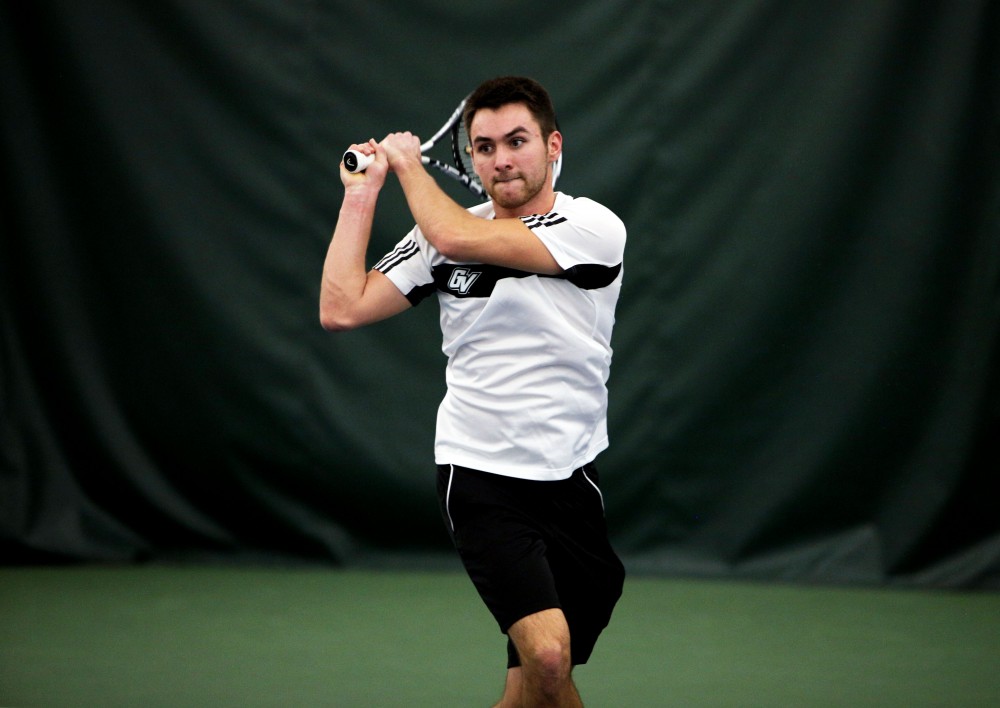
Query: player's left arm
x,y
453,231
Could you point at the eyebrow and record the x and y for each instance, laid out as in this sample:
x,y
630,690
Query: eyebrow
x,y
511,134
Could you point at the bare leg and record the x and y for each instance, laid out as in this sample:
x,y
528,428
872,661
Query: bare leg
x,y
544,678
511,690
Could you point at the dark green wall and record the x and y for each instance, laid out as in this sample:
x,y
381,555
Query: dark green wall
x,y
805,376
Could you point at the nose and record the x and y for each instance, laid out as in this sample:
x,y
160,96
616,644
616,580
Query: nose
x,y
501,158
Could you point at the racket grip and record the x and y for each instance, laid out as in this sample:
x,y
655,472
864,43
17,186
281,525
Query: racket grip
x,y
356,161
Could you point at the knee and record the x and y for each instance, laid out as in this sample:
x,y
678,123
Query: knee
x,y
543,646
550,660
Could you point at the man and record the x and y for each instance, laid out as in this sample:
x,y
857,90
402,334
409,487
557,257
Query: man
x,y
527,286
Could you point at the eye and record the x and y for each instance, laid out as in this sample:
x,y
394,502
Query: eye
x,y
517,142
484,148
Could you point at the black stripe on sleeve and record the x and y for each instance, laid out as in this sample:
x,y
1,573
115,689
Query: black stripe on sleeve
x,y
400,254
419,293
536,220
591,276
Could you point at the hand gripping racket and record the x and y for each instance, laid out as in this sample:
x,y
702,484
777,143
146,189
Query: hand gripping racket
x,y
460,167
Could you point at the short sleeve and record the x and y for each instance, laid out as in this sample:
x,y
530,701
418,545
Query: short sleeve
x,y
580,232
408,268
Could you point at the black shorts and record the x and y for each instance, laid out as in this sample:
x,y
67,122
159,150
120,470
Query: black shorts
x,y
530,546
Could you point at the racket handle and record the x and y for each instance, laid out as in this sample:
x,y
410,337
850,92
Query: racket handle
x,y
356,161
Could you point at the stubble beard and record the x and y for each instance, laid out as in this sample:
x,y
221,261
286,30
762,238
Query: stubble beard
x,y
528,191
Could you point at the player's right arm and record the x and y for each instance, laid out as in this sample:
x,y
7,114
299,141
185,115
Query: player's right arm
x,y
350,295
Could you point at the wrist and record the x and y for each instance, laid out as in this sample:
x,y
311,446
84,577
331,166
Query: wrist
x,y
408,166
359,197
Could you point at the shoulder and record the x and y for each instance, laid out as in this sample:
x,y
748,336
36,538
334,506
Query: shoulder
x,y
580,231
592,218
585,209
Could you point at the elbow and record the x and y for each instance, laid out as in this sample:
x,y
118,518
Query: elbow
x,y
451,247
334,319
338,310
332,324
455,234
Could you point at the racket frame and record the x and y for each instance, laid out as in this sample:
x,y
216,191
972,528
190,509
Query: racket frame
x,y
358,162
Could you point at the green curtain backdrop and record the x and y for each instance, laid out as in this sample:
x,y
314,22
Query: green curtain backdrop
x,y
806,354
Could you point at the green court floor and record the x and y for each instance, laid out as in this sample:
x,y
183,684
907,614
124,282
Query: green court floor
x,y
223,636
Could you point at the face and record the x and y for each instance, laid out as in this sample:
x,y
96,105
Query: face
x,y
513,160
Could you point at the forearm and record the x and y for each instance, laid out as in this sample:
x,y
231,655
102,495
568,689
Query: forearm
x,y
465,238
449,227
345,273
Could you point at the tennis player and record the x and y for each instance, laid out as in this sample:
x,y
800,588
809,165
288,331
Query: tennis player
x,y
527,285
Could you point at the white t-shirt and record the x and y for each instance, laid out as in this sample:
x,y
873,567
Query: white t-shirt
x,y
528,355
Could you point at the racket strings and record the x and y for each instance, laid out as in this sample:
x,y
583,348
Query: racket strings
x,y
461,148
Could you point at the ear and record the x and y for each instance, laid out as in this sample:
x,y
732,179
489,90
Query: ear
x,y
555,145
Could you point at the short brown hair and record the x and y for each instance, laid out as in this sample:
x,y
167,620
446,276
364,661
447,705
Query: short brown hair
x,y
498,92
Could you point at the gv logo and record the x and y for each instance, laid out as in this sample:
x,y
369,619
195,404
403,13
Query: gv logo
x,y
462,279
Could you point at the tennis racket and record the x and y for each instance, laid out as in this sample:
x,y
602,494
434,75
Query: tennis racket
x,y
460,168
